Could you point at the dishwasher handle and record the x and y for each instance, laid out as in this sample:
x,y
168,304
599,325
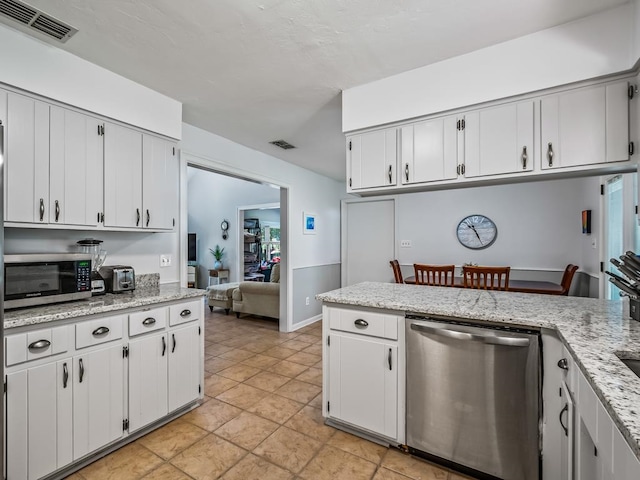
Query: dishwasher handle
x,y
472,337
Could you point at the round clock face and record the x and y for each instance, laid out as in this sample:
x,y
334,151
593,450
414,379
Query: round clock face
x,y
224,225
476,232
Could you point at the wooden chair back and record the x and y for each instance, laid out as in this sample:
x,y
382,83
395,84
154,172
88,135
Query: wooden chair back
x,y
440,275
397,273
487,278
567,277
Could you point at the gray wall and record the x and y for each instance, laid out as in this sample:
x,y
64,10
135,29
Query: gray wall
x,y
309,282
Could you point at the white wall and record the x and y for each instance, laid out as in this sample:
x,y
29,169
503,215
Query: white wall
x,y
308,192
594,46
269,215
211,198
35,66
539,224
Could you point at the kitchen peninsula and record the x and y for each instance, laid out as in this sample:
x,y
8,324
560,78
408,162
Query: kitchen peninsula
x,y
582,341
83,378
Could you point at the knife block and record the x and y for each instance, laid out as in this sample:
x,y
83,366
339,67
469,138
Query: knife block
x,y
634,309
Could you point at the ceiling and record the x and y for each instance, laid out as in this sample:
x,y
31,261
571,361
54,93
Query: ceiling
x,y
255,71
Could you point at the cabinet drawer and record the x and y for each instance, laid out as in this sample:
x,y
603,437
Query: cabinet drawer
x,y
366,323
102,330
32,345
147,321
184,312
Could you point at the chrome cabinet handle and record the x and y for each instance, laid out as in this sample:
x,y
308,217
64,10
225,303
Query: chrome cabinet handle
x,y
563,364
524,157
148,217
389,359
462,168
390,180
57,210
65,375
173,336
457,169
488,339
137,217
361,323
406,171
148,321
164,346
81,370
100,331
39,345
42,209
565,409
550,154
185,313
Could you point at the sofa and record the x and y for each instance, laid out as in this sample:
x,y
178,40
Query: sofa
x,y
259,298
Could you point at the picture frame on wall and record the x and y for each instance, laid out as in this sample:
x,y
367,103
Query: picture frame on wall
x,y
309,225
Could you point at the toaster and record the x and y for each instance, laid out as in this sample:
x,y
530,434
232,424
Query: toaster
x,y
118,278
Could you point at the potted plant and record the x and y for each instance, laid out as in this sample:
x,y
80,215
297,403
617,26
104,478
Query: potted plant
x,y
217,253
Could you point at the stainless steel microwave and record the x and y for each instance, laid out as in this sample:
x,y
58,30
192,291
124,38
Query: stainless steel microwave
x,y
38,279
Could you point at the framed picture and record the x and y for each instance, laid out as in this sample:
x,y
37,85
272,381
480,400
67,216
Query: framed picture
x,y
308,223
586,221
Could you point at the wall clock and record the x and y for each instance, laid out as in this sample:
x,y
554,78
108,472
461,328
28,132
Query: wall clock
x,y
224,226
476,232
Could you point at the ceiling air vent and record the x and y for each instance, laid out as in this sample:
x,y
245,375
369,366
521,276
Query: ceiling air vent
x,y
36,19
282,144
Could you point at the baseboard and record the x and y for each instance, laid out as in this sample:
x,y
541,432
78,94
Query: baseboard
x,y
306,322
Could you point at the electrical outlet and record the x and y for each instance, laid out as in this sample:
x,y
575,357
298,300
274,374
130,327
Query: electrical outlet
x,y
165,261
405,243
306,301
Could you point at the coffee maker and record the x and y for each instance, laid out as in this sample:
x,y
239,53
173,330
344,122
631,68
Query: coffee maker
x,y
91,246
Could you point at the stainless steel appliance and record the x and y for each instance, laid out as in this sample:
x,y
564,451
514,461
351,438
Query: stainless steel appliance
x,y
473,396
118,278
37,279
91,246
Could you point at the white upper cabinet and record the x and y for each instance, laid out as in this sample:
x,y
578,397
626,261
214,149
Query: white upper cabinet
x,y
122,177
75,168
429,151
26,158
585,126
499,140
372,158
159,183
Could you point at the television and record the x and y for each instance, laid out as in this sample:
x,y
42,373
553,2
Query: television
x,y
192,246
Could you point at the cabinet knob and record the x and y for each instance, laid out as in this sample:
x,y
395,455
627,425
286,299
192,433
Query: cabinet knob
x,y
361,323
186,312
39,345
98,332
563,364
149,321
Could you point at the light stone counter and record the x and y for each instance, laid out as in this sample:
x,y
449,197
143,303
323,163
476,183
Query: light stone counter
x,y
109,303
592,329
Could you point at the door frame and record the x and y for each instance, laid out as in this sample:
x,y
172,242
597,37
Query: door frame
x,y
239,221
216,166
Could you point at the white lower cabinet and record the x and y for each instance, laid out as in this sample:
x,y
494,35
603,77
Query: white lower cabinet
x,y
67,399
364,387
98,399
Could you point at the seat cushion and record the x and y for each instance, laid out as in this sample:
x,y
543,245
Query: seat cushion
x,y
221,292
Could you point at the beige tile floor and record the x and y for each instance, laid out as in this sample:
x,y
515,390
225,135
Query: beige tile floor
x,y
261,419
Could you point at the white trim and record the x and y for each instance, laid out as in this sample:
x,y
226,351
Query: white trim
x,y
217,165
306,322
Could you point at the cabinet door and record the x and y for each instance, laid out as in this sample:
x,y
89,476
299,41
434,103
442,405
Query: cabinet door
x,y
39,407
372,159
27,160
184,366
159,183
122,177
75,168
586,126
499,140
567,420
98,399
428,151
363,382
147,380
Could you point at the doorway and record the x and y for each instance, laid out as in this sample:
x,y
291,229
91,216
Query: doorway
x,y
204,208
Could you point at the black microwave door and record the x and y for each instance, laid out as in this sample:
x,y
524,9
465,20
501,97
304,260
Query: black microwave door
x,y
24,280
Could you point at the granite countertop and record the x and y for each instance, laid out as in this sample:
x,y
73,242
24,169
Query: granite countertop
x,y
111,302
592,329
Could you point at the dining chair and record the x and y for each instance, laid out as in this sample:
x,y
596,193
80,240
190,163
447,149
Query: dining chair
x,y
397,273
487,278
440,275
567,277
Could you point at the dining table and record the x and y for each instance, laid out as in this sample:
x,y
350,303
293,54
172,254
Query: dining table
x,y
522,286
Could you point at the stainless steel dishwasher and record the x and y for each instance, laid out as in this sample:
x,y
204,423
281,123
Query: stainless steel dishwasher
x,y
473,397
